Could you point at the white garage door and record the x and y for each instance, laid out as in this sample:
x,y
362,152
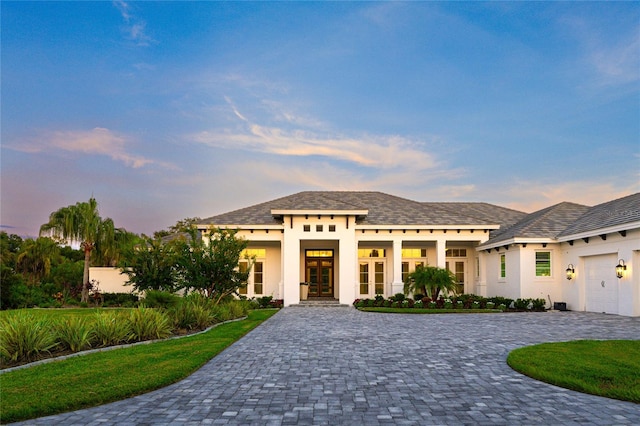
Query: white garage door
x,y
601,284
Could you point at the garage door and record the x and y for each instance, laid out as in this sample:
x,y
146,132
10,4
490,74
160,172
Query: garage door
x,y
601,284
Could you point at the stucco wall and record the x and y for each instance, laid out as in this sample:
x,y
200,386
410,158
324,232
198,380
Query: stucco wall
x,y
110,280
626,248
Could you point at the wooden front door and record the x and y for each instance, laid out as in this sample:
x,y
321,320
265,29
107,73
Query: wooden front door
x,y
319,275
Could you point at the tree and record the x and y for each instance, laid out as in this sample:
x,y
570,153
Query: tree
x,y
431,281
36,257
152,265
81,223
212,267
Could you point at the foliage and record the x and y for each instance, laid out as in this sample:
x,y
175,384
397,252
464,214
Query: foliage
x,y
71,384
23,337
35,258
111,328
607,368
149,324
126,300
160,299
74,333
82,223
152,265
212,268
431,280
464,302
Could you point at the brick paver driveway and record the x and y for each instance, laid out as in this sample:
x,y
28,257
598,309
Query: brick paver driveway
x,y
341,366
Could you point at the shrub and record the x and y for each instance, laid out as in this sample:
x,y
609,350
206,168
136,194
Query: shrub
x,y
126,300
264,301
24,338
539,305
276,303
111,328
490,305
160,299
74,333
433,305
398,297
418,304
426,300
387,303
222,313
237,309
148,324
521,304
379,298
371,303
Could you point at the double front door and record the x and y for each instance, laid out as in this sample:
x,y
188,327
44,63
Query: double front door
x,y
319,275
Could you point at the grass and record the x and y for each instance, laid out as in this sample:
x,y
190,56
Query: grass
x,y
104,377
55,313
609,368
429,311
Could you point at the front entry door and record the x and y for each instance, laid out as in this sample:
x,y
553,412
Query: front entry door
x,y
319,275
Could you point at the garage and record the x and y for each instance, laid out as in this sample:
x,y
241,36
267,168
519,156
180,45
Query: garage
x,y
601,284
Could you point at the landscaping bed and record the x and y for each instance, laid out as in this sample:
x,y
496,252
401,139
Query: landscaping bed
x,y
469,303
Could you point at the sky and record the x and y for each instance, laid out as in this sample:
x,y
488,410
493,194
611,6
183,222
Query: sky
x,y
168,110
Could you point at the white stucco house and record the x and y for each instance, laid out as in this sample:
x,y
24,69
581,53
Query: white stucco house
x,y
350,245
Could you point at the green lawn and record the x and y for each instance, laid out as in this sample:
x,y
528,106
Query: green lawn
x,y
61,312
103,377
609,368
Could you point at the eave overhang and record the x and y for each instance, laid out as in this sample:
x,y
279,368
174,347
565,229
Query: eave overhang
x,y
600,231
515,240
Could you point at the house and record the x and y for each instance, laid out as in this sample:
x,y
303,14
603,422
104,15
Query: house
x,y
349,245
570,253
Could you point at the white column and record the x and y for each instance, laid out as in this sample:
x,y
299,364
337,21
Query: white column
x,y
397,286
291,267
441,252
348,279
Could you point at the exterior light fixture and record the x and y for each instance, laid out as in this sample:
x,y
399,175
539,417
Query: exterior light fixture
x,y
620,268
571,272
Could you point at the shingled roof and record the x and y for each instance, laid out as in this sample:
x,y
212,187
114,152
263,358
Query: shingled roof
x,y
621,213
383,209
542,224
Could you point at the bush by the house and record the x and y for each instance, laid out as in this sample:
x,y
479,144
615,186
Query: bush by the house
x,y
464,301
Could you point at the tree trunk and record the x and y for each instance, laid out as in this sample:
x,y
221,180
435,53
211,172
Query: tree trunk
x,y
85,275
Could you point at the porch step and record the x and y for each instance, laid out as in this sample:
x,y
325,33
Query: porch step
x,y
320,302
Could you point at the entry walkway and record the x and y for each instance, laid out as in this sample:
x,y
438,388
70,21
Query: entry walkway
x,y
340,366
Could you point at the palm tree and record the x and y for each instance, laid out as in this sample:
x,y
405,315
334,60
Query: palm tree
x,y
35,258
431,280
81,223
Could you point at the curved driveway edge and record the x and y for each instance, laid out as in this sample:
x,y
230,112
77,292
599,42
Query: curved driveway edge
x,y
333,366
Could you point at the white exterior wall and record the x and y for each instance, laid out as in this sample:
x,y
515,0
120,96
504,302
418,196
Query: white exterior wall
x,y
628,287
110,280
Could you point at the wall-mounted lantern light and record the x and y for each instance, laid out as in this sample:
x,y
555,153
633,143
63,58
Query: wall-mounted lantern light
x,y
571,272
620,268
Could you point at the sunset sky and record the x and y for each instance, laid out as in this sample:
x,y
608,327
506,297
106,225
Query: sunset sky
x,y
169,110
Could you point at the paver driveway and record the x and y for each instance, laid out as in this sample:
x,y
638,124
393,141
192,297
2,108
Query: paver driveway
x,y
341,366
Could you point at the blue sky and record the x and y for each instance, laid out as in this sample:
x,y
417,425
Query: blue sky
x,y
163,111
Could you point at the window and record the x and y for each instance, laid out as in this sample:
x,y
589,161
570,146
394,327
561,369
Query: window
x,y
332,228
543,264
306,228
318,228
243,268
319,253
456,253
503,266
254,253
371,253
257,277
414,253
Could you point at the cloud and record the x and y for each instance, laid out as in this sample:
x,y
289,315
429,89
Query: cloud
x,y
135,29
530,196
371,151
98,141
